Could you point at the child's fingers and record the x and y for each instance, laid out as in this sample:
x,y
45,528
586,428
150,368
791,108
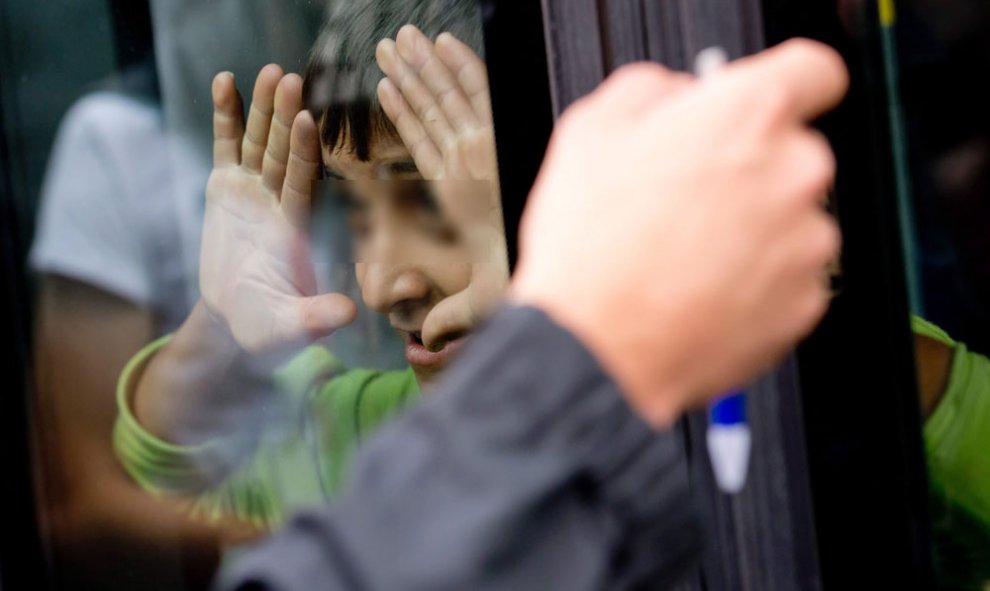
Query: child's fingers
x,y
301,169
469,70
415,93
288,103
228,125
425,153
260,117
418,51
323,314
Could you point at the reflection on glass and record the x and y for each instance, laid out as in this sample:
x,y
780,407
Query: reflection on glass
x,y
429,256
260,334
935,55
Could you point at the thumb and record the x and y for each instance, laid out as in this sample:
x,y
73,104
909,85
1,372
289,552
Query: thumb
x,y
452,313
322,314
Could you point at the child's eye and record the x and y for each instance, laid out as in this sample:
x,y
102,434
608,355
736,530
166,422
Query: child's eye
x,y
359,225
423,209
404,169
328,173
431,221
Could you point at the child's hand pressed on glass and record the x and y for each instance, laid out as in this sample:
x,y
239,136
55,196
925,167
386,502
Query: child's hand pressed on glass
x,y
256,277
437,96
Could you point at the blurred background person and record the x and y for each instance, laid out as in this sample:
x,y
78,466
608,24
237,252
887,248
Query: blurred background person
x,y
116,254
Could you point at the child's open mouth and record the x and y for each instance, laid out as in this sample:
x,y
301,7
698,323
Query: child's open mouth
x,y
418,355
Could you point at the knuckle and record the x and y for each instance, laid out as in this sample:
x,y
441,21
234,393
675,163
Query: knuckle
x,y
777,100
300,180
639,73
430,112
213,184
291,191
821,167
825,240
223,118
264,112
252,138
277,151
449,99
274,166
270,158
273,182
282,121
579,115
638,79
815,304
801,47
303,162
401,120
834,238
422,144
806,51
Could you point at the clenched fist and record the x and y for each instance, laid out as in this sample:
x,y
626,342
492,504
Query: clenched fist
x,y
676,226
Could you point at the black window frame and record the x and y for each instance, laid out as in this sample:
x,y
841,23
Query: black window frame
x,y
858,381
860,432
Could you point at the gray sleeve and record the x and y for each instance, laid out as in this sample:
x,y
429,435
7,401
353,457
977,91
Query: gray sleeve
x,y
526,469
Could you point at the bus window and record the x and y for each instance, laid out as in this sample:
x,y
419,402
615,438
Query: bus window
x,y
239,270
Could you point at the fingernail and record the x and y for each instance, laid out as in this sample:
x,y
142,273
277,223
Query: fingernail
x,y
221,75
386,91
415,41
215,87
384,53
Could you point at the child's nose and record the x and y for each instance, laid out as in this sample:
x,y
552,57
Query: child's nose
x,y
394,289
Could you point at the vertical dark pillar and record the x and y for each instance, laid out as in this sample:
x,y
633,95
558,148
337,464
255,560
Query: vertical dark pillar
x,y
21,562
764,538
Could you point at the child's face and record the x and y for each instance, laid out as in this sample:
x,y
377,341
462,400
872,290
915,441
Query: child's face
x,y
413,265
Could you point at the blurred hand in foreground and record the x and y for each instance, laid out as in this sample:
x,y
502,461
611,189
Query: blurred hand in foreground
x,y
676,226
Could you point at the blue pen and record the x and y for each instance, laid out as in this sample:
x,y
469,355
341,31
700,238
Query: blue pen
x,y
729,438
729,442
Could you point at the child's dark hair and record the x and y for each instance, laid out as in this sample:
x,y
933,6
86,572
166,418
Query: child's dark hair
x,y
341,78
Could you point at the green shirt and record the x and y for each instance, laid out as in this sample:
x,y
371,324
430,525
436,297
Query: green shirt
x,y
294,457
299,455
957,446
957,434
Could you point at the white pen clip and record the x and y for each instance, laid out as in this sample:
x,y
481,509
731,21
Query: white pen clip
x,y
710,60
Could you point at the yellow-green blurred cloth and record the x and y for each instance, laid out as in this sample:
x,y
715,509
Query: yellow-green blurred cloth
x,y
957,445
297,453
957,434
292,455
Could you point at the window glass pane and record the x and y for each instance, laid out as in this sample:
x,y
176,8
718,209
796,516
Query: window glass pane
x,y
933,56
240,272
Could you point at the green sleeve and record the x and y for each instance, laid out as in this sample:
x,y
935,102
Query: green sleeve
x,y
357,403
158,466
957,434
254,491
